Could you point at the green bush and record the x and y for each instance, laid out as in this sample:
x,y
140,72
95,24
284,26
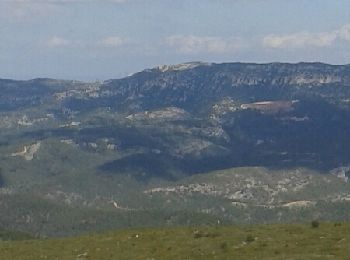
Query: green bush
x,y
250,238
224,246
315,224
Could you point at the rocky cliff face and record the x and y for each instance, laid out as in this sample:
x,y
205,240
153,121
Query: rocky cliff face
x,y
193,86
190,86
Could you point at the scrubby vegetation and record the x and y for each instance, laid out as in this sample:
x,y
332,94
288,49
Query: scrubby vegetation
x,y
252,242
13,235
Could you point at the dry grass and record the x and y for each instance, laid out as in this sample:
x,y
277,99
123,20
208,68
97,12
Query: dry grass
x,y
257,242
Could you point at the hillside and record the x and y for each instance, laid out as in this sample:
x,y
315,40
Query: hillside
x,y
176,145
253,242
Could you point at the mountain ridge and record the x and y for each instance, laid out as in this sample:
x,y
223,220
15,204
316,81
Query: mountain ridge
x,y
245,143
199,63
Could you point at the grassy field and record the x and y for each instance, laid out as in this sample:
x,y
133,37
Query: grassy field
x,y
328,240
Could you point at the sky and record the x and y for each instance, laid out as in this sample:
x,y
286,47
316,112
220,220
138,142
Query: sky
x,y
103,39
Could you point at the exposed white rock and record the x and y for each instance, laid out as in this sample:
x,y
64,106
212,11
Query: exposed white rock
x,y
6,191
299,204
111,147
115,204
28,152
89,91
169,113
191,147
182,66
316,79
339,197
74,123
67,197
24,121
342,172
202,188
271,106
6,121
225,106
67,141
118,206
239,204
93,145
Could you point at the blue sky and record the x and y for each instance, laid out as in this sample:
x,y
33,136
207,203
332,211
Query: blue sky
x,y
102,39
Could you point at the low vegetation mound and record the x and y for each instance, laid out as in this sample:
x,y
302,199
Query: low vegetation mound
x,y
13,236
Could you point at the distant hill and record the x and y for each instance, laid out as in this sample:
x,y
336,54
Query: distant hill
x,y
243,143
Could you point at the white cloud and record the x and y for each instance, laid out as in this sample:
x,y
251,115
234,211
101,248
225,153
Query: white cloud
x,y
307,39
195,44
22,10
56,41
27,9
344,32
69,1
298,40
112,41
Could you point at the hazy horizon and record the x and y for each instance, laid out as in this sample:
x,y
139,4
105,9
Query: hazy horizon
x,y
87,80
97,40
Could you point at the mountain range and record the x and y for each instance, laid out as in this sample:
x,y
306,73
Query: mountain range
x,y
193,143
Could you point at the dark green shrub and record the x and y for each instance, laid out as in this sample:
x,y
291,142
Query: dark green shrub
x,y
2,182
200,234
223,246
250,239
315,224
